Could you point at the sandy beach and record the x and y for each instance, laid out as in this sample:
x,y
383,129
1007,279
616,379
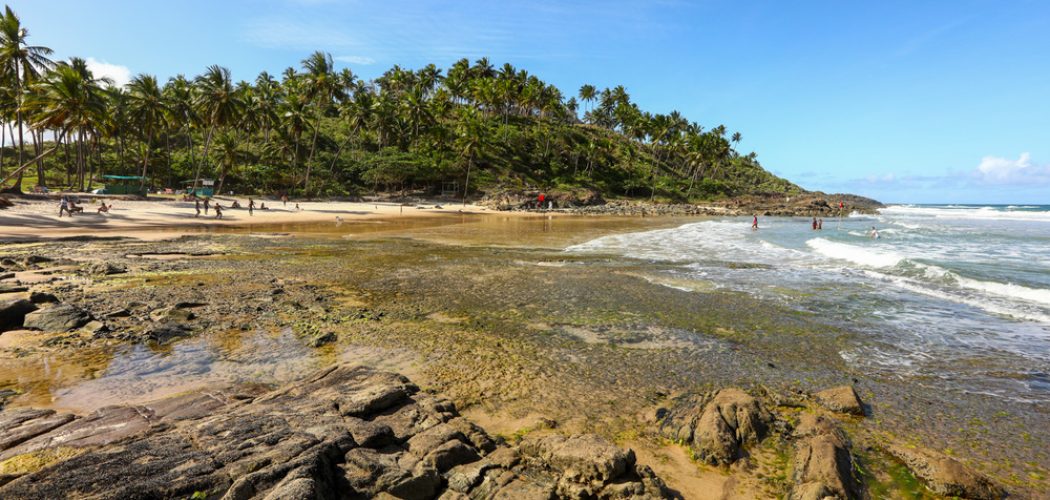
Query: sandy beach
x,y
162,217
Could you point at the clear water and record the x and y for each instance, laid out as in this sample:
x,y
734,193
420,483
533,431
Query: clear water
x,y
947,293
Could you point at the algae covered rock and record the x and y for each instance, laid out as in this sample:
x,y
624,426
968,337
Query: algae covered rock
x,y
57,318
843,399
717,426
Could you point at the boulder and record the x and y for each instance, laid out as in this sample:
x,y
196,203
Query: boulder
x,y
717,426
944,475
13,313
57,318
163,333
842,399
823,466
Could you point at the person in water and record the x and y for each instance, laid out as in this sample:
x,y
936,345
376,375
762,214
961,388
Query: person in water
x,y
820,224
754,224
874,233
814,223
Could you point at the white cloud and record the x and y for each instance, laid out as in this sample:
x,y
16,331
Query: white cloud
x,y
996,170
355,59
120,75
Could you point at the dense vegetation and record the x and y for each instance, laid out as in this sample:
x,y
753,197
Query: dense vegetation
x,y
323,131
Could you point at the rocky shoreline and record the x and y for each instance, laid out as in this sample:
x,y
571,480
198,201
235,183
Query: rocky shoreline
x,y
583,202
321,436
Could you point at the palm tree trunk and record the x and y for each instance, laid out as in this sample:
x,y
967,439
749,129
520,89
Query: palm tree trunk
x,y
145,159
38,146
466,183
207,144
17,187
3,146
313,147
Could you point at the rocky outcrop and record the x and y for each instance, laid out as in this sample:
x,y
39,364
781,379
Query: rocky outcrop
x,y
944,475
823,465
842,399
717,426
57,318
13,313
342,432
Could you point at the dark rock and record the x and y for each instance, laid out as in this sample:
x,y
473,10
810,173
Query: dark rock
x,y
12,288
322,339
946,476
162,333
4,276
13,313
42,298
842,399
57,318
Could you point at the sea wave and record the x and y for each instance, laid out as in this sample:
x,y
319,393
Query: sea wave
x,y
966,213
856,254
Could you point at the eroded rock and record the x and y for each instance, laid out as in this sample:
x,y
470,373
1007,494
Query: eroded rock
x,y
824,466
717,426
842,399
944,475
342,432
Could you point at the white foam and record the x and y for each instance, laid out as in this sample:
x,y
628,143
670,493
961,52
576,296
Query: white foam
x,y
965,213
1009,290
858,255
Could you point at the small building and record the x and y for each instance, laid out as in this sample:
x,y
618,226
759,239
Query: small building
x,y
124,184
203,187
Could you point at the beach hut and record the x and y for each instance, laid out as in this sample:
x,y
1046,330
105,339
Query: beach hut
x,y
203,187
123,184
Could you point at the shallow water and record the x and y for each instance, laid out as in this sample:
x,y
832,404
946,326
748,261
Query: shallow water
x,y
946,295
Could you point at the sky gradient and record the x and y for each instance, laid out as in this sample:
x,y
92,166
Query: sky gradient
x,y
936,102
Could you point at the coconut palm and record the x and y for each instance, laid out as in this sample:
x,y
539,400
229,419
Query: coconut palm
x,y
67,102
321,85
217,104
22,63
149,111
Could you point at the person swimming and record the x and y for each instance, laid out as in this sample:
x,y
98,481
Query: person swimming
x,y
874,233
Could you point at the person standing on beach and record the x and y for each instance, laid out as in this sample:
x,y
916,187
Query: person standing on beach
x,y
218,210
207,204
754,223
63,206
197,206
284,199
251,206
539,199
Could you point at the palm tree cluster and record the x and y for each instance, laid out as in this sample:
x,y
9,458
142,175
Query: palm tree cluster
x,y
320,130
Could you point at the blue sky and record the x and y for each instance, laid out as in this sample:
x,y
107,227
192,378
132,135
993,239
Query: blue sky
x,y
903,101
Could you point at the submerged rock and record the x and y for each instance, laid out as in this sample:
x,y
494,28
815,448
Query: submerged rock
x,y
343,432
946,476
57,318
842,399
718,426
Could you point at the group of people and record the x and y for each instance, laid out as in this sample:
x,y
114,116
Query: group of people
x,y
68,206
235,204
818,225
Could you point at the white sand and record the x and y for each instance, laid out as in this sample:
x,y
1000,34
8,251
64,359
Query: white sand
x,y
32,218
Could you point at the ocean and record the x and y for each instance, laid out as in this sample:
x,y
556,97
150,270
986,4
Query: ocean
x,y
954,296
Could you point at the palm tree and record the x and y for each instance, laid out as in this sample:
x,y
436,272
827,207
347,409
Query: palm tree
x,y
148,108
67,102
179,94
470,142
216,102
587,95
322,84
23,63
